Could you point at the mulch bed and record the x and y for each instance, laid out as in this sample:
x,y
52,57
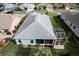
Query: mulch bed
x,y
4,42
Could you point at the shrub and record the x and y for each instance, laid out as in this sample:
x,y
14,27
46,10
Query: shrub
x,y
13,40
18,9
20,46
35,8
44,7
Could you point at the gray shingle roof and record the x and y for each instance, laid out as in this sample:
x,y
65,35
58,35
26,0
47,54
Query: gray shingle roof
x,y
36,26
72,17
28,21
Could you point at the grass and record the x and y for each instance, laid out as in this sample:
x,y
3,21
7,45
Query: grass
x,y
57,22
36,51
71,47
59,9
53,20
9,50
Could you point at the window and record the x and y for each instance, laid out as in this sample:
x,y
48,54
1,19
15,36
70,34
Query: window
x,y
74,27
39,41
70,24
61,42
60,30
57,30
48,41
32,41
19,41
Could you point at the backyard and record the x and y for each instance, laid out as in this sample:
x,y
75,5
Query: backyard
x,y
9,50
71,47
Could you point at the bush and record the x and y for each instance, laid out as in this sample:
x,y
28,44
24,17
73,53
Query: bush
x,y
35,8
13,40
20,46
9,12
44,7
18,9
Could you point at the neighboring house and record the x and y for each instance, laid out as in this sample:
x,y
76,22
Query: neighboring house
x,y
27,7
7,27
41,5
74,5
9,7
58,5
36,30
49,8
8,23
72,20
5,22
1,6
67,6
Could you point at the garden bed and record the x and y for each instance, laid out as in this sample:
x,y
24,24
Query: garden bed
x,y
4,42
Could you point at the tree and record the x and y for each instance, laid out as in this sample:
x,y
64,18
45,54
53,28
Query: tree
x,y
44,7
35,8
18,9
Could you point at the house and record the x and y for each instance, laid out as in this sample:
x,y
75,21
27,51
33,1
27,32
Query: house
x,y
9,7
72,20
27,7
1,6
58,5
36,29
67,6
74,5
8,23
41,6
49,8
5,22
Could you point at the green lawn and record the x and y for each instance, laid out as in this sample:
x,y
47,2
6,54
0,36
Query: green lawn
x,y
57,22
71,47
9,50
59,9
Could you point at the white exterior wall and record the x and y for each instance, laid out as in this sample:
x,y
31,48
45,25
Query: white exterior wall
x,y
76,31
29,10
25,42
49,9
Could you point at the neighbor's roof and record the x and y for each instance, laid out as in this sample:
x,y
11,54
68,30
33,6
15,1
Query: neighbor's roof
x,y
36,26
9,6
29,5
72,17
42,4
5,21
